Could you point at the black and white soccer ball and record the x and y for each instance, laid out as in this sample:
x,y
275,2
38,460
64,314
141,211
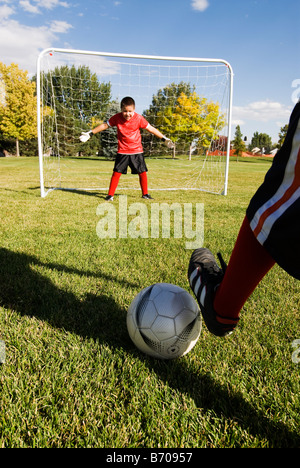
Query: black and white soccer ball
x,y
164,321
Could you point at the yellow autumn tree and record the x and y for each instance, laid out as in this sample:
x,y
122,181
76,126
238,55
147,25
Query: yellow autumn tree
x,y
18,111
191,120
197,120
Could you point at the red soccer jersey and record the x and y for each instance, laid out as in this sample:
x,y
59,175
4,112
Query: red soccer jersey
x,y
129,135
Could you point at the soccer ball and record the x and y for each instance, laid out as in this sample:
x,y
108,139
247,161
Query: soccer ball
x,y
164,321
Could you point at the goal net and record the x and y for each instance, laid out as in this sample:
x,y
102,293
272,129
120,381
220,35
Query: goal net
x,y
188,99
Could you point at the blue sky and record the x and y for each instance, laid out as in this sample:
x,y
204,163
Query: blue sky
x,y
260,39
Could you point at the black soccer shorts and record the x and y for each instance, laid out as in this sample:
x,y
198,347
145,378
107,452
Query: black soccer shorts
x,y
136,162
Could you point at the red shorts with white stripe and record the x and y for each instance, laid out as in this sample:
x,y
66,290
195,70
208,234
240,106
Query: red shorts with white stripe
x,y
274,211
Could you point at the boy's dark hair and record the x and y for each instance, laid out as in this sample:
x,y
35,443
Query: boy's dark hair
x,y
127,101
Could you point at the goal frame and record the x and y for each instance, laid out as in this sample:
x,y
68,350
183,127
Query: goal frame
x,y
43,191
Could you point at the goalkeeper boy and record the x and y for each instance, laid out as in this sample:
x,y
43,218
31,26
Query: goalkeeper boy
x,y
130,149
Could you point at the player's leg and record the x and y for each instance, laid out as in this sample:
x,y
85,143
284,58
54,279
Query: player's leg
x,y
143,182
120,167
274,216
221,293
248,264
144,185
113,184
138,166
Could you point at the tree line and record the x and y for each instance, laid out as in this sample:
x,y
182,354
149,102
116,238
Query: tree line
x,y
75,100
260,142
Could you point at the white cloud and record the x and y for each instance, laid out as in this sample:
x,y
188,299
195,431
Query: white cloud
x,y
236,122
5,12
27,6
36,6
261,116
50,4
200,5
261,111
22,44
60,27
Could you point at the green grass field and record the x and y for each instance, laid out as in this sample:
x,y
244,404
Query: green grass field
x,y
72,376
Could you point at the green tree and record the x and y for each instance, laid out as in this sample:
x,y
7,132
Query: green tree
x,y
190,121
18,114
160,114
109,139
261,141
77,90
166,98
282,135
238,143
197,121
78,100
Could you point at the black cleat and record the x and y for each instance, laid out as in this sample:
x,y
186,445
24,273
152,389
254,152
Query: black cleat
x,y
204,277
147,196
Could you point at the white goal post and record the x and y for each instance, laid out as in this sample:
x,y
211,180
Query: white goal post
x,y
187,99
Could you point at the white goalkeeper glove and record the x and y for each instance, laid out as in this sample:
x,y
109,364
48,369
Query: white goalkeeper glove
x,y
85,136
169,143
